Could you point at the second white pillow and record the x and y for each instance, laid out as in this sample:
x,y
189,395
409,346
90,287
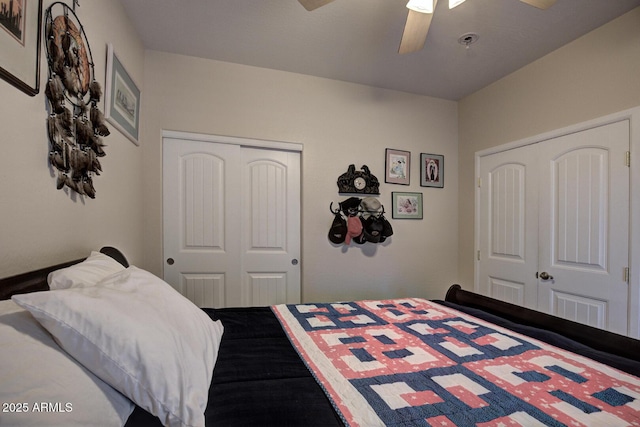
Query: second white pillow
x,y
86,273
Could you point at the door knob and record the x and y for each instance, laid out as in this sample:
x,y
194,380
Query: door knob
x,y
170,261
294,261
545,276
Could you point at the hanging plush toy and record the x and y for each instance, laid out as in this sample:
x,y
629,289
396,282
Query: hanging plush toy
x,y
75,124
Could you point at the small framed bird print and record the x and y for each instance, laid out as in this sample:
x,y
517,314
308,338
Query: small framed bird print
x,y
122,98
397,166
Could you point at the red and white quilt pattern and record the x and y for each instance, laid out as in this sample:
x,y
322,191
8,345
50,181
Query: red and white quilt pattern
x,y
413,362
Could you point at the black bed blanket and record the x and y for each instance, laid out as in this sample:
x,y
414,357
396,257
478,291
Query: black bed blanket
x,y
259,379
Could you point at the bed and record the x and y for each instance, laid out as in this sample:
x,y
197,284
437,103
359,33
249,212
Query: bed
x,y
259,376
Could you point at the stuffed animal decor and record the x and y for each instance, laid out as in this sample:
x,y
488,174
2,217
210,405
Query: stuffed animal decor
x,y
360,220
75,124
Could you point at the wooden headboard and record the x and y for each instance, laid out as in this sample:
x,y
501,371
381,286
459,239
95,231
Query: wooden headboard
x,y
593,337
36,280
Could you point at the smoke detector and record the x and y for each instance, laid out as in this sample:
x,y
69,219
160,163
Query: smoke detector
x,y
468,39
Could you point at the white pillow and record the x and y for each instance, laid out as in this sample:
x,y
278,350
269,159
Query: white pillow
x,y
139,335
86,273
40,384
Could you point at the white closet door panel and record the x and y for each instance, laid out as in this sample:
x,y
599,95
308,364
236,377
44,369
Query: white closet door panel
x,y
267,288
579,309
268,205
201,196
203,200
270,242
508,227
505,290
584,223
581,207
507,195
205,290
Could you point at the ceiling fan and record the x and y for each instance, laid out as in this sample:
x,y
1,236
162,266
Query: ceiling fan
x,y
419,18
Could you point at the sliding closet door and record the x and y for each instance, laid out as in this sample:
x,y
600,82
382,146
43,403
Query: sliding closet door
x,y
584,226
231,223
201,219
270,215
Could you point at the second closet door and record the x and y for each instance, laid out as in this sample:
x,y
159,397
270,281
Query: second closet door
x,y
554,226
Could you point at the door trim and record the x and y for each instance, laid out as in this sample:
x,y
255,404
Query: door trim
x,y
633,115
234,140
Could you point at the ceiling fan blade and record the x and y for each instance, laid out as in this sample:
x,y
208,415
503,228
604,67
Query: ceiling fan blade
x,y
313,4
540,4
415,31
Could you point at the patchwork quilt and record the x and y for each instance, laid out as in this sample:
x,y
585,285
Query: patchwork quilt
x,y
413,362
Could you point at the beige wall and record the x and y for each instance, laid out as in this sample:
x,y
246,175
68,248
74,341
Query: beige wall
x,y
338,123
594,76
39,224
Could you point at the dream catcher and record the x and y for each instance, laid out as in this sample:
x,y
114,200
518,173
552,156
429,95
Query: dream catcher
x,y
75,124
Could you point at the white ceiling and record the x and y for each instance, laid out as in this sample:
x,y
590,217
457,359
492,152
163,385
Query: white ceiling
x,y
357,40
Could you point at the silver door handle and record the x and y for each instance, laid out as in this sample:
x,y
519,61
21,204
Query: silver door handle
x,y
545,276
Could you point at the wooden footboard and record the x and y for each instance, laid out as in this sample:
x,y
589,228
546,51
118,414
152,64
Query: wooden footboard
x,y
593,337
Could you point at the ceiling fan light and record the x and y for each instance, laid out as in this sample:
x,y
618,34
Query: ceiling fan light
x,y
454,3
422,6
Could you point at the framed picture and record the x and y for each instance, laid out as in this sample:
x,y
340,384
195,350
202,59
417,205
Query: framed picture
x,y
122,98
397,166
20,29
406,205
431,170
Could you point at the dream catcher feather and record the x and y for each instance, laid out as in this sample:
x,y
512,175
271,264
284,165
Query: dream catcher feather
x,y
75,124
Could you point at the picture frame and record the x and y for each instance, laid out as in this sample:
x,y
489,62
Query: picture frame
x,y
397,166
122,98
406,205
20,45
431,170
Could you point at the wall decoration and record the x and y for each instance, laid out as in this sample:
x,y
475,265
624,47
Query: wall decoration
x,y
20,29
362,181
359,220
75,124
431,170
356,219
397,166
406,205
122,98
